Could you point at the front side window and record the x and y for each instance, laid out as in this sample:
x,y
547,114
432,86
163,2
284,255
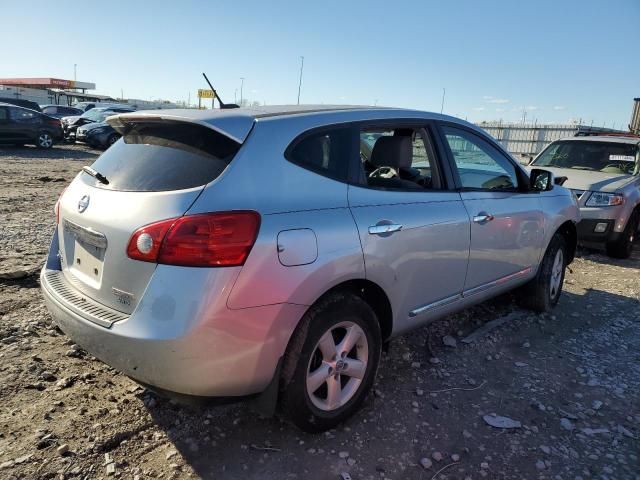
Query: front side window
x,y
479,164
325,152
607,157
398,159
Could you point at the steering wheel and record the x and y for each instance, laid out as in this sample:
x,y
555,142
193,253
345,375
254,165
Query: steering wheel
x,y
383,172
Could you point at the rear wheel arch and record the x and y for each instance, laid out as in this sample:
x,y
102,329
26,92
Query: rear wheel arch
x,y
374,296
368,291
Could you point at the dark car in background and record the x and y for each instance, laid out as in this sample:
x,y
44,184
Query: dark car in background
x,y
97,114
20,126
21,103
59,111
97,135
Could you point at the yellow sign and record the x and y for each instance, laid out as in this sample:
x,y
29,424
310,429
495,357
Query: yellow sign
x,y
205,93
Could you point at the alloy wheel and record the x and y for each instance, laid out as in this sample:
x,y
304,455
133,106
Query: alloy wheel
x,y
45,140
337,366
556,274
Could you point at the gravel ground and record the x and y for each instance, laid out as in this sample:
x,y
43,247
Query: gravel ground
x,y
568,384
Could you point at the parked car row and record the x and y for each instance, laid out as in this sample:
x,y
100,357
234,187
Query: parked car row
x,y
24,122
90,127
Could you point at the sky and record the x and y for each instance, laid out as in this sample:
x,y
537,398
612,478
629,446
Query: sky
x,y
554,61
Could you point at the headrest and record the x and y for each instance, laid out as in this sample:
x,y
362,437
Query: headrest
x,y
395,152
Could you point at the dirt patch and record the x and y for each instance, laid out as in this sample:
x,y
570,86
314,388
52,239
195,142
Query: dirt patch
x,y
570,379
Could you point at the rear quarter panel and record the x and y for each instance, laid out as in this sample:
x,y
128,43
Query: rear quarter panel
x,y
287,197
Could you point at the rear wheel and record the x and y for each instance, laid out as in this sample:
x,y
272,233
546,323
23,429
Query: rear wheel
x,y
331,362
623,247
44,140
543,292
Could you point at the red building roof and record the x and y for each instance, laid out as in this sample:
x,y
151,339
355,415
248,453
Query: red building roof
x,y
46,83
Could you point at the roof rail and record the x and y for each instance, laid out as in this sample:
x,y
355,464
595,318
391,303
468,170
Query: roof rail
x,y
587,133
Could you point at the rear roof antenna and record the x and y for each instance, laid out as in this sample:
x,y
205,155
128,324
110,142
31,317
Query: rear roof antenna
x,y
223,105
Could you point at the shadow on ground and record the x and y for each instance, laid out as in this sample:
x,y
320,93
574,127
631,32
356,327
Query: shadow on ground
x,y
388,435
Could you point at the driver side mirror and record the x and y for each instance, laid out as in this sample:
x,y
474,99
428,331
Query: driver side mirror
x,y
540,180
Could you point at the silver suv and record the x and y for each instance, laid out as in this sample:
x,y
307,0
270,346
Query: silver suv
x,y
271,252
604,174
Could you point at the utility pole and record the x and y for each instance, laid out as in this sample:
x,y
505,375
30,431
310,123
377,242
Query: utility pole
x,y
241,87
443,94
121,94
75,67
300,79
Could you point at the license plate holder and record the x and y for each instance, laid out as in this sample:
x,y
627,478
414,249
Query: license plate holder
x,y
88,253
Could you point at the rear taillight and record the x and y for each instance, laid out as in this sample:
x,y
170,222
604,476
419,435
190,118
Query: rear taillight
x,y
221,239
56,208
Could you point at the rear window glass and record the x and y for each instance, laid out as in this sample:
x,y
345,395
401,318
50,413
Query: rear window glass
x,y
152,157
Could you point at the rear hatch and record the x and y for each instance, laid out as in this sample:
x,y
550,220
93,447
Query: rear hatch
x,y
154,172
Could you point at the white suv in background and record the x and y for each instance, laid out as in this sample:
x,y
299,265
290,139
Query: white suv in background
x,y
603,171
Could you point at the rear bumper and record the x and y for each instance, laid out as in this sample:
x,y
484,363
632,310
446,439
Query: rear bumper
x,y
187,342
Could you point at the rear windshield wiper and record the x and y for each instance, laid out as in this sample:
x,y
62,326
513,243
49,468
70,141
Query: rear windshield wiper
x,y
97,175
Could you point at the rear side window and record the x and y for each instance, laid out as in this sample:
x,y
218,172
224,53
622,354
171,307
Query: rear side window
x,y
326,152
163,156
20,114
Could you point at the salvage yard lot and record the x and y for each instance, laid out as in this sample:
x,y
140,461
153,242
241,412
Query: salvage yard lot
x,y
571,379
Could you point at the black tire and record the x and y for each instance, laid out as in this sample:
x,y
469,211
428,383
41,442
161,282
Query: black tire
x,y
112,139
330,312
538,294
44,140
623,247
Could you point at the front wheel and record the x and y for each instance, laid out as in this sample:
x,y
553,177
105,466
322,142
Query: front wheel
x,y
543,292
112,139
331,362
623,247
44,140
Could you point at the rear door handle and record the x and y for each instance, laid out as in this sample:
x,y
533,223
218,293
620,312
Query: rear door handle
x,y
382,229
483,217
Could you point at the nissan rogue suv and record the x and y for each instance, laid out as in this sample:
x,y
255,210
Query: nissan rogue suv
x,y
271,252
604,174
